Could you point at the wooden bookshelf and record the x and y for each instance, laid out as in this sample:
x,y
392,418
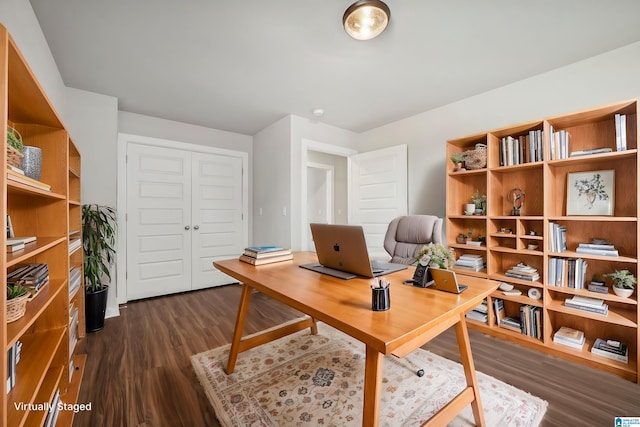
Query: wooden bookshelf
x,y
50,215
526,238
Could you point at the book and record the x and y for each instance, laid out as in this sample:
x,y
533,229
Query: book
x,y
265,251
23,240
498,308
570,334
14,247
603,252
268,260
590,151
23,179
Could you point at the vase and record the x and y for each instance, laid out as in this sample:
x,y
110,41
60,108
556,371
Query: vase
x,y
31,162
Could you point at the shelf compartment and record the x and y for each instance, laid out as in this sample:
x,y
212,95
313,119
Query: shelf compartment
x,y
35,308
625,167
38,351
616,315
71,396
528,178
45,395
586,293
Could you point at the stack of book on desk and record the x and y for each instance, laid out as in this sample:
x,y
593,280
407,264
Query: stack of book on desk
x,y
594,305
259,255
611,349
569,337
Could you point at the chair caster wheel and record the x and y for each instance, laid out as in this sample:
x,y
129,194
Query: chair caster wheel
x,y
420,373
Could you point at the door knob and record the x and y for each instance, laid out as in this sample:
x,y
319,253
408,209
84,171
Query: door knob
x,y
186,227
196,227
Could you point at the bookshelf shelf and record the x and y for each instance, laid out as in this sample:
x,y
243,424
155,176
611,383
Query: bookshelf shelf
x,y
44,330
528,238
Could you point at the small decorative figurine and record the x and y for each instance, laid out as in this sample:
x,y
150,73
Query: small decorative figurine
x,y
516,197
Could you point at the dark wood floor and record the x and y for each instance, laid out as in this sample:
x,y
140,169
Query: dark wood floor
x,y
138,369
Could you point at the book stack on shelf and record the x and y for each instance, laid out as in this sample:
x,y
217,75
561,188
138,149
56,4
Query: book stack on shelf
x,y
259,255
604,249
559,144
54,410
32,276
14,176
568,273
74,244
594,305
470,262
504,321
570,337
531,320
598,287
523,149
13,357
523,272
15,244
557,237
611,349
74,281
590,151
480,313
621,132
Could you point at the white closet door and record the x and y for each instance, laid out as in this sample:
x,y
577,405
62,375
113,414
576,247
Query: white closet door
x,y
217,216
158,221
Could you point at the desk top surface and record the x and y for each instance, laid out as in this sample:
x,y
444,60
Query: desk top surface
x,y
346,304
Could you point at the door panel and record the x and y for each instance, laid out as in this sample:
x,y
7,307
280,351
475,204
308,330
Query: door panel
x,y
378,193
158,209
217,216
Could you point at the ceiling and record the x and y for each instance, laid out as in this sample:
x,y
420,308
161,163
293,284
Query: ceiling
x,y
242,65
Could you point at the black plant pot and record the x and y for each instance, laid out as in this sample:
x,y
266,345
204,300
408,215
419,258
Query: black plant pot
x,y
95,306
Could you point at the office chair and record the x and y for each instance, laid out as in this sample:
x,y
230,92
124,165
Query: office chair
x,y
406,235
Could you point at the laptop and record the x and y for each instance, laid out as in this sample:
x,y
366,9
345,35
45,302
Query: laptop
x,y
342,252
446,280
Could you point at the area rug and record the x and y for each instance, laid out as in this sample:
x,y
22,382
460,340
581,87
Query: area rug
x,y
311,380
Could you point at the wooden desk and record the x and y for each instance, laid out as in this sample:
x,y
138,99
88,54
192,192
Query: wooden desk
x,y
416,316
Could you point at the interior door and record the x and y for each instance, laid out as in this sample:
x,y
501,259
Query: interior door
x,y
217,216
158,221
378,193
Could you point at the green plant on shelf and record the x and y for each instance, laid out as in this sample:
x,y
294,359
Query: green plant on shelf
x,y
16,291
622,279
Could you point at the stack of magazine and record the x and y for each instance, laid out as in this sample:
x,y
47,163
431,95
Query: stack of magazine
x,y
594,305
570,337
611,349
523,272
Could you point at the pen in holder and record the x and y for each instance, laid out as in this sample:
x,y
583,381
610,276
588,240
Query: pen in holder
x,y
380,299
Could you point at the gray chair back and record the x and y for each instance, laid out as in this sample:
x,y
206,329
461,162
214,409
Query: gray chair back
x,y
406,235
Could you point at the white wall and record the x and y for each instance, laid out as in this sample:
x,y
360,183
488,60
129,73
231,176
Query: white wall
x,y
607,78
271,185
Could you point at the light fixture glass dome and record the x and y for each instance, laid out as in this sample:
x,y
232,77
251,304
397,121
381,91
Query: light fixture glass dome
x,y
366,19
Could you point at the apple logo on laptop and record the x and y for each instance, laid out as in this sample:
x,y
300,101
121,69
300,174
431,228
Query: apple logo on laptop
x,y
336,247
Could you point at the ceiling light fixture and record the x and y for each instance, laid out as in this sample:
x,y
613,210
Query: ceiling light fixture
x,y
366,19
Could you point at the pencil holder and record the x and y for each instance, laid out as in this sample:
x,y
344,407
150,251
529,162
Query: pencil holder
x,y
380,299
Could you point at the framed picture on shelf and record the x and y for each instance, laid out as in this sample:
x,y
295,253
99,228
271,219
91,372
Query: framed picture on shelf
x,y
591,193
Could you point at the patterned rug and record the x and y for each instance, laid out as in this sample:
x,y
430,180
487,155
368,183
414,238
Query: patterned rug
x,y
310,380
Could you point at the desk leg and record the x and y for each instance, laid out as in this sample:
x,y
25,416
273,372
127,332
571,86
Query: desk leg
x,y
237,334
469,369
372,387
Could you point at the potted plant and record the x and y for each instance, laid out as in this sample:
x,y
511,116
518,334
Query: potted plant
x,y
14,147
17,296
457,159
479,200
98,241
436,255
623,282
